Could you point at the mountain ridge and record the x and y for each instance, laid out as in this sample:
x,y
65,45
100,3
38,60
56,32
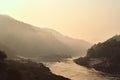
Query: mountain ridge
x,y
31,41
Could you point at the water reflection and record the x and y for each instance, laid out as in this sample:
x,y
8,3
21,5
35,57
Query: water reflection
x,y
75,72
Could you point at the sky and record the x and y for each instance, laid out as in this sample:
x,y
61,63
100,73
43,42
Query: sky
x,y
91,20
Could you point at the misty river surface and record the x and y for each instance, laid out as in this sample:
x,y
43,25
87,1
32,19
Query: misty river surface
x,y
75,72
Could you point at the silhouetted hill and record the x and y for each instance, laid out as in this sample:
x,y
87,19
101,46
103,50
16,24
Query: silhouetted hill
x,y
38,43
103,56
8,50
25,70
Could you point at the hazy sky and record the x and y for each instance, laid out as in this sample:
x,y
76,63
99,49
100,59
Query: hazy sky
x,y
92,20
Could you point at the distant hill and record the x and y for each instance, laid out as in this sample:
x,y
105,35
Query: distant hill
x,y
78,46
103,56
38,43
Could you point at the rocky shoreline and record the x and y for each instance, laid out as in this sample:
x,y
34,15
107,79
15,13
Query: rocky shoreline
x,y
103,57
25,70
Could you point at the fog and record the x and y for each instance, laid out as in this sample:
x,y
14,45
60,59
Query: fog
x,y
41,44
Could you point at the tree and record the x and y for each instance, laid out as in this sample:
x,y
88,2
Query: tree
x,y
3,56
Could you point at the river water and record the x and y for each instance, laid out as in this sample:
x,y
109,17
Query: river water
x,y
75,72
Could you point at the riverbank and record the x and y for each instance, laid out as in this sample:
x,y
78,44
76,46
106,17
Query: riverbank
x,y
75,72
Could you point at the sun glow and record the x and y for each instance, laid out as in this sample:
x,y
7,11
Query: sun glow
x,y
10,5
84,19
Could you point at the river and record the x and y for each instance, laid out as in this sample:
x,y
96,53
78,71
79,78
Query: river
x,y
75,72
